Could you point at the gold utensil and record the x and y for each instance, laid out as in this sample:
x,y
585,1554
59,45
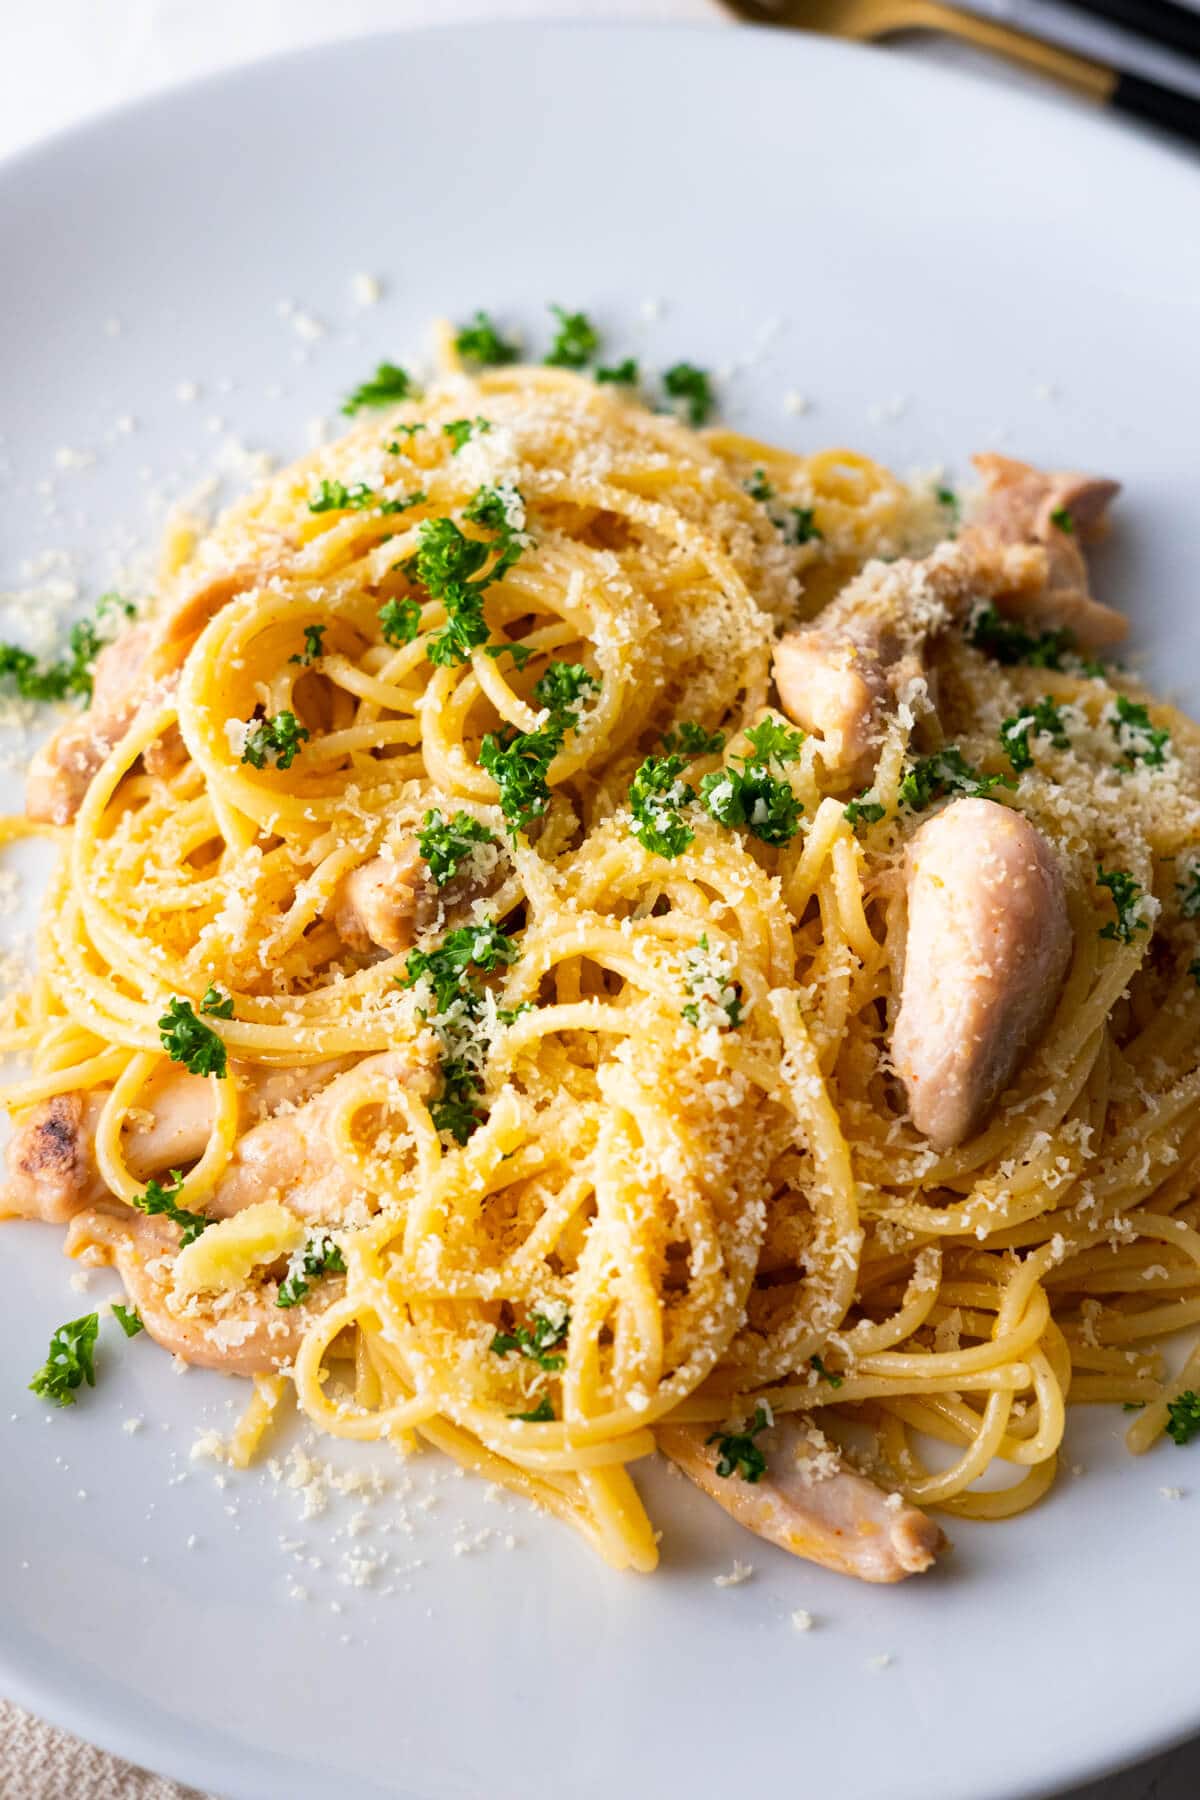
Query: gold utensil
x,y
1096,81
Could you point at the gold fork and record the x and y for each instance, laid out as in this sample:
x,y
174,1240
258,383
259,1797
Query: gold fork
x,y
1096,81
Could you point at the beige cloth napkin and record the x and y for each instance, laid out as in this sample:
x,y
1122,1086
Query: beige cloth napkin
x,y
39,1762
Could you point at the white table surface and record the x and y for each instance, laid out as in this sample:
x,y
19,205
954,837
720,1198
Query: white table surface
x,y
63,60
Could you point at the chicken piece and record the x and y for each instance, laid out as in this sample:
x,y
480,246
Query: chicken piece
x,y
61,770
1059,511
246,1334
811,1502
843,675
139,667
989,941
52,1173
387,902
291,1157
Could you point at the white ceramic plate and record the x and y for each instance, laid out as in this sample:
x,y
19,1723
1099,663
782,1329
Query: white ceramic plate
x,y
947,267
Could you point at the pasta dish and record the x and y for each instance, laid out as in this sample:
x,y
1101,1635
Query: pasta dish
x,y
578,933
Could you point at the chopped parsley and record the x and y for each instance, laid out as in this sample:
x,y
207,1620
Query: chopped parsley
x,y
802,530
320,1256
1042,719
759,488
1183,1417
1007,642
947,499
447,563
862,810
691,389
1061,516
482,946
835,1381
188,1040
737,1452
622,374
335,496
445,844
1141,740
574,342
656,799
1189,888
73,675
751,795
279,738
312,645
387,385
405,431
1127,898
480,342
461,431
542,1414
706,975
945,772
127,1318
691,739
216,1004
536,1340
518,762
159,1202
399,621
70,1362
562,687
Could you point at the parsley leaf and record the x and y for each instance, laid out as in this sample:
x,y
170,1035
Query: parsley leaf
x,y
575,340
1189,888
69,1363
480,342
1183,1417
945,772
399,621
279,738
802,530
159,1202
518,762
759,488
312,645
320,1256
216,1004
1126,897
656,799
692,388
542,1414
1061,517
947,499
389,384
535,1340
835,1381
188,1040
771,739
406,431
446,844
1010,643
692,739
1042,718
562,686
520,653
868,811
1137,736
127,1318
751,795
461,431
482,946
446,563
74,675
622,374
738,1454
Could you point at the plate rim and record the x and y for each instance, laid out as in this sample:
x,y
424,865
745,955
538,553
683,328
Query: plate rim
x,y
196,1754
